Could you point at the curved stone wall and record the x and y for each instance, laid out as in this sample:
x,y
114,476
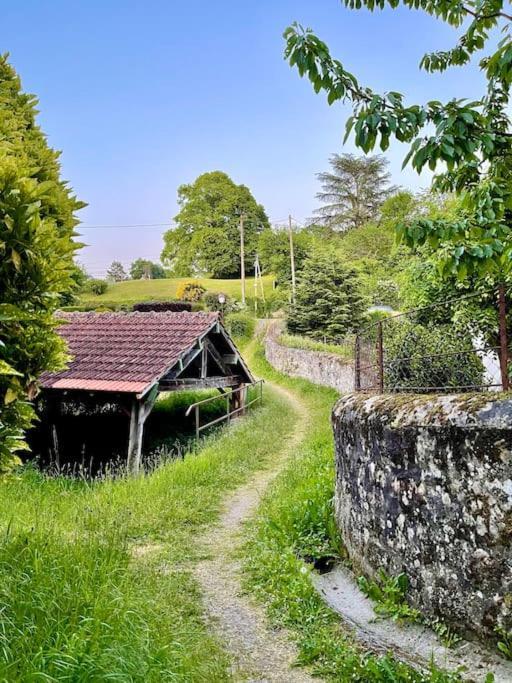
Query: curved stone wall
x,y
318,367
424,486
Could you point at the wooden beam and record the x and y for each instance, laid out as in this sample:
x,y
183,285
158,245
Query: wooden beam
x,y
185,361
216,357
138,416
202,383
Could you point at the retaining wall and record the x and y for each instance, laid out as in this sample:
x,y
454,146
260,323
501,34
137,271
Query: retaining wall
x,y
424,486
318,367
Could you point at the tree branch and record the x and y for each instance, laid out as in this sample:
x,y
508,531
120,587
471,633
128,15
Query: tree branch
x,y
481,17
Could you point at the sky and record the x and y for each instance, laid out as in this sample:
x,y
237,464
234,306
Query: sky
x,y
144,96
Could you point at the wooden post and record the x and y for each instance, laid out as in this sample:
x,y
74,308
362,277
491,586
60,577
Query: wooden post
x,y
502,308
292,256
242,257
136,434
357,364
237,399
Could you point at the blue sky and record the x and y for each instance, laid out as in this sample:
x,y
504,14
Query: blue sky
x,y
143,96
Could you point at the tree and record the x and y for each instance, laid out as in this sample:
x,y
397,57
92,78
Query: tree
x,y
145,269
353,191
274,251
37,221
470,140
116,272
207,234
328,299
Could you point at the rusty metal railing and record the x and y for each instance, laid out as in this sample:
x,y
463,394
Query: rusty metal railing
x,y
230,413
428,349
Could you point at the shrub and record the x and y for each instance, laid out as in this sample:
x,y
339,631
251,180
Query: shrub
x,y
36,259
211,301
161,306
190,290
240,325
96,286
424,357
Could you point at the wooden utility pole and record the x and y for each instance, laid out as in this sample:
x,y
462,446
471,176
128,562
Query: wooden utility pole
x,y
242,256
292,257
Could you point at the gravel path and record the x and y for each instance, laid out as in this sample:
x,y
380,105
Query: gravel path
x,y
260,654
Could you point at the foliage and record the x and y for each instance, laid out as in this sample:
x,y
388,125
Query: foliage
x,y
418,356
274,251
207,233
389,595
91,572
504,643
295,520
190,291
116,272
175,306
293,341
353,191
211,302
328,301
36,259
96,286
240,326
143,268
469,140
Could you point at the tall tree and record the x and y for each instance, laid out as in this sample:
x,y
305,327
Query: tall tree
x,y
328,298
353,191
470,140
274,251
146,269
207,235
37,221
116,272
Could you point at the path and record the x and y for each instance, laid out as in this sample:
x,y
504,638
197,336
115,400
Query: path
x,y
260,654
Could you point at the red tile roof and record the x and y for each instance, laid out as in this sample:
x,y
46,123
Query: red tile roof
x,y
125,352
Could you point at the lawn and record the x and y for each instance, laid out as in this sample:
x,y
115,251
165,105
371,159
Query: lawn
x,y
95,576
132,291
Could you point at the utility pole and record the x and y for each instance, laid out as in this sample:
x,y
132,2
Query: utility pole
x,y
242,256
292,256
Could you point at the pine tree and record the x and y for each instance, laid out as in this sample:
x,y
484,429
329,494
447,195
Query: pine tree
x,y
36,258
328,299
116,272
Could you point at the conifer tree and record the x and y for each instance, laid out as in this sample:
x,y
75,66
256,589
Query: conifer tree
x,y
328,299
37,220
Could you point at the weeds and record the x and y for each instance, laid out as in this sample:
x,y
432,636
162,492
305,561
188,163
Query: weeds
x,y
504,644
389,596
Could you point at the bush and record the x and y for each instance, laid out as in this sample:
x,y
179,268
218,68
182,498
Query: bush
x,y
97,286
211,301
240,325
175,306
428,357
190,291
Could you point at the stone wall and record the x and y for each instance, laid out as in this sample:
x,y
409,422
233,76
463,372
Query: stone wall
x,y
327,369
424,486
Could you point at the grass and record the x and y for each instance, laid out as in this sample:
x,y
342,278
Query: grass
x,y
294,527
95,580
294,341
133,291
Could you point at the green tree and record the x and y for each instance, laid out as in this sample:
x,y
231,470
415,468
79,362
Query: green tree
x,y
353,191
328,299
116,272
37,221
470,141
206,238
143,268
274,251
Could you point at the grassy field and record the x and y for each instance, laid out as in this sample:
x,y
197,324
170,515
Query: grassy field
x,y
95,580
295,341
132,291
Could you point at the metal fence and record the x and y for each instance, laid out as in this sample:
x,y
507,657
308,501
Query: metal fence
x,y
460,344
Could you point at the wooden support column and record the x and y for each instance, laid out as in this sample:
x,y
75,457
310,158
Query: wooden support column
x,y
237,400
139,412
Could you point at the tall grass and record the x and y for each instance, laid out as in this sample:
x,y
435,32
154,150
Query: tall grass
x,y
95,580
295,341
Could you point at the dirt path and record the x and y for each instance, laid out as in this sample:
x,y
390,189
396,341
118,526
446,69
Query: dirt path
x,y
260,654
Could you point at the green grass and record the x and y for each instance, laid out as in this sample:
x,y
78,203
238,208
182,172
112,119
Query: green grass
x,y
294,341
294,525
133,291
95,581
